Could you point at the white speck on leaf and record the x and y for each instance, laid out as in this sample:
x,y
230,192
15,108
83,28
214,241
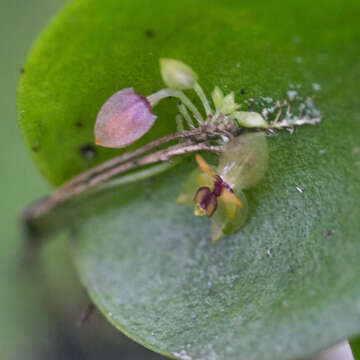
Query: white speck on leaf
x,y
267,99
182,355
299,189
292,94
316,86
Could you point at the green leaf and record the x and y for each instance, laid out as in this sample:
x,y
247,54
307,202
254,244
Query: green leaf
x,y
286,285
355,347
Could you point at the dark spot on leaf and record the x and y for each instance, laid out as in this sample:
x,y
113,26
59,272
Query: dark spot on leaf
x,y
22,71
330,232
149,33
79,124
88,151
35,148
242,91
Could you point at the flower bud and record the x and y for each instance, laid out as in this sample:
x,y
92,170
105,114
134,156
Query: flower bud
x,y
250,119
177,75
224,104
123,119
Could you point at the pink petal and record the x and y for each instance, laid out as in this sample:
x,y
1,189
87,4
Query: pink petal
x,y
123,119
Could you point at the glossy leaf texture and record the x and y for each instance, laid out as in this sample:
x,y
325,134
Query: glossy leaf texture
x,y
286,285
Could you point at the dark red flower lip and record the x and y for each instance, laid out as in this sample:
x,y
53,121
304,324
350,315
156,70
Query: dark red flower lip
x,y
205,201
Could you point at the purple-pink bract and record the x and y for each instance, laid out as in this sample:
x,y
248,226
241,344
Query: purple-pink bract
x,y
123,119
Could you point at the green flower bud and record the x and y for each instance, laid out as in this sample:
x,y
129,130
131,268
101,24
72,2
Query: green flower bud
x,y
177,75
250,119
224,104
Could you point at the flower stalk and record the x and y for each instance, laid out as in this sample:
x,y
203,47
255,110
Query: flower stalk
x,y
195,140
165,93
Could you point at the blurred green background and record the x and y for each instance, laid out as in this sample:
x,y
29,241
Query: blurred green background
x,y
24,325
39,307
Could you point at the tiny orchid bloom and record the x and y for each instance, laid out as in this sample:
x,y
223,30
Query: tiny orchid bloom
x,y
123,119
177,75
216,199
206,200
241,165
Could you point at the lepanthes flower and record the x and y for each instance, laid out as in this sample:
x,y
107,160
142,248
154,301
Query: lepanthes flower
x,y
123,119
206,200
219,194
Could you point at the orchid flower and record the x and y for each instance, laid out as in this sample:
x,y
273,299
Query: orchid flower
x,y
219,194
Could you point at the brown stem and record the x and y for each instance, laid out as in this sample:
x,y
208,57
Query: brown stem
x,y
85,176
101,175
196,140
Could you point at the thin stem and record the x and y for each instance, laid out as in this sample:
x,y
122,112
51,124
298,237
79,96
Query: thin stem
x,y
298,122
164,93
66,193
130,155
154,98
179,123
137,176
199,91
185,114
